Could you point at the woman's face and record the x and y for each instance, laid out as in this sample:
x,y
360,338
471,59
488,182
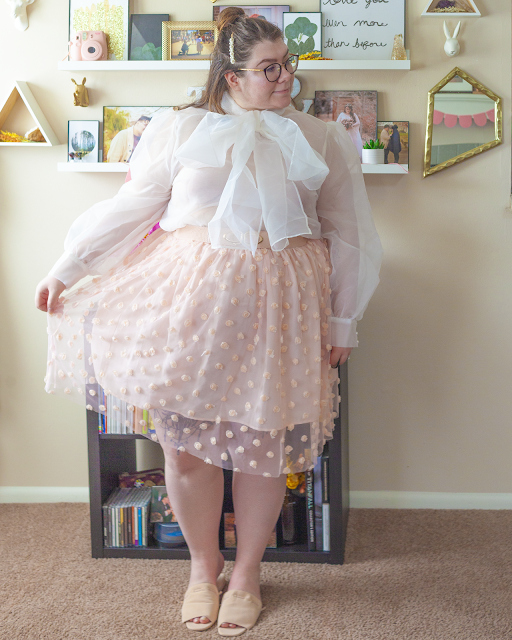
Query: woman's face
x,y
254,91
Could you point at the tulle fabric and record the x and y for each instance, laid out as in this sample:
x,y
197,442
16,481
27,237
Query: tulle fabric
x,y
227,351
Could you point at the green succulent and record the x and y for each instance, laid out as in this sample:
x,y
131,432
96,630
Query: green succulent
x,y
373,144
300,36
147,52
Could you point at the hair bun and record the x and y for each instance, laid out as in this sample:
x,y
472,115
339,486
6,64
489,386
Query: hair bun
x,y
229,16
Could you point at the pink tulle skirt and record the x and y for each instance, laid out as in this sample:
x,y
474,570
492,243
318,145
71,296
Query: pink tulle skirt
x,y
223,353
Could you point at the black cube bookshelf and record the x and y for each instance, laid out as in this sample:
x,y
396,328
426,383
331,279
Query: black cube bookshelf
x,y
110,455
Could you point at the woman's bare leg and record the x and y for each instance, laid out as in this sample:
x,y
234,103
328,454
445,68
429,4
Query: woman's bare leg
x,y
196,493
257,503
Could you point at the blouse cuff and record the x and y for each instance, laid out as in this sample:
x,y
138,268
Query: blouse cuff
x,y
342,332
69,270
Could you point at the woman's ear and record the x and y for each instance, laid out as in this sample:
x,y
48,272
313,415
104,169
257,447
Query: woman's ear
x,y
232,79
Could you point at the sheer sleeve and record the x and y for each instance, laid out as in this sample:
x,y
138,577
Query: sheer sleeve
x,y
106,233
346,221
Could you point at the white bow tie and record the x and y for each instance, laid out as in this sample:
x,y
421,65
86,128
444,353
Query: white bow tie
x,y
273,197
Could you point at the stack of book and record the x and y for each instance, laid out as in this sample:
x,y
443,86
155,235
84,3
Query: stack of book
x,y
121,417
126,517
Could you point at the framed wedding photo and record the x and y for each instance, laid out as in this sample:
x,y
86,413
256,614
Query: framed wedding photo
x,y
356,110
271,12
394,135
123,128
188,40
83,141
303,33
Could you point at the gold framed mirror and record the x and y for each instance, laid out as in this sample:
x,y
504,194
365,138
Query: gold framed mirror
x,y
464,119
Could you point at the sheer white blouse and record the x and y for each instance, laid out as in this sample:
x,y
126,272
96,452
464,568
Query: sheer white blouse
x,y
280,170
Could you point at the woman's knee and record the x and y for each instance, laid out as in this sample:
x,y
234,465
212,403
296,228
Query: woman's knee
x,y
181,462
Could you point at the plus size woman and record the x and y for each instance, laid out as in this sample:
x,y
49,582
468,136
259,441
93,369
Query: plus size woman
x,y
228,322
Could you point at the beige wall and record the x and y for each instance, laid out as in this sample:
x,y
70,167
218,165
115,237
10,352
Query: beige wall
x,y
430,398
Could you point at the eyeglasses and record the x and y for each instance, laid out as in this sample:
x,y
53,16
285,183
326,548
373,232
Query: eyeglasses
x,y
273,71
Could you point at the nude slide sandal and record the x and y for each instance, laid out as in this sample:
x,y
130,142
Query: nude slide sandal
x,y
241,608
202,600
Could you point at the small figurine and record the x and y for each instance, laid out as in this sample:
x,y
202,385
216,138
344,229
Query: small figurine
x,y
81,97
451,46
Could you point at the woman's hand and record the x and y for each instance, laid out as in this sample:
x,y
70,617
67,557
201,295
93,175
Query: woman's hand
x,y
339,355
48,292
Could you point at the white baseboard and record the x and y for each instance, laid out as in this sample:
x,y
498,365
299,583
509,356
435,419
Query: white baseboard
x,y
44,494
428,500
358,499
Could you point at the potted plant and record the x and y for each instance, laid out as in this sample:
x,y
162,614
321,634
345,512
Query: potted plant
x,y
373,152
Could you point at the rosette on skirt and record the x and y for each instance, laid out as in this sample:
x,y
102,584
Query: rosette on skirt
x,y
226,352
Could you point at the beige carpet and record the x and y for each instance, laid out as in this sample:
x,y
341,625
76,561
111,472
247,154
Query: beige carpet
x,y
409,575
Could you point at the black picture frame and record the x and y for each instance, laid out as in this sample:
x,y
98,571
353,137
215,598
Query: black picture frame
x,y
145,28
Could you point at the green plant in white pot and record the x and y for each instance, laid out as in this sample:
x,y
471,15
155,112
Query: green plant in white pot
x,y
373,152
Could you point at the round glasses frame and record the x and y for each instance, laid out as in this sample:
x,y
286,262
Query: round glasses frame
x,y
294,57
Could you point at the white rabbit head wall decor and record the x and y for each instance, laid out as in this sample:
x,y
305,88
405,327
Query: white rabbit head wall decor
x,y
451,46
19,13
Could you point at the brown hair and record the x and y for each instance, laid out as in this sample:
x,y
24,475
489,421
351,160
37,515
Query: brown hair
x,y
247,32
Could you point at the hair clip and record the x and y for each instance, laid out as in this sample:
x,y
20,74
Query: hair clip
x,y
232,49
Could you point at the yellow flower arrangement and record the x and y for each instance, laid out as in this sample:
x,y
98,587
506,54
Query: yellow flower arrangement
x,y
313,55
7,136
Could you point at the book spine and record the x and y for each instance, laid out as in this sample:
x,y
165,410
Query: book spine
x,y
317,493
104,511
325,479
310,508
145,418
129,535
326,515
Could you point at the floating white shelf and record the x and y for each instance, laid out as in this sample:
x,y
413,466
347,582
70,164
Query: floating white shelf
x,y
121,167
204,65
103,167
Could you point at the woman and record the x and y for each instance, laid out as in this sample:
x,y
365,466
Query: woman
x,y
352,124
221,324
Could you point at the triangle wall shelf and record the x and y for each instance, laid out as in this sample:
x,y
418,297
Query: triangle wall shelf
x,y
21,90
470,6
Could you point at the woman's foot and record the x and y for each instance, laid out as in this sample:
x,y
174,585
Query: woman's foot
x,y
200,574
245,580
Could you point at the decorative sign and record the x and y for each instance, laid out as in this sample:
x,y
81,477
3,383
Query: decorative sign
x,y
361,29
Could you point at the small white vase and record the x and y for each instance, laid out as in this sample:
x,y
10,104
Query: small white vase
x,y
373,156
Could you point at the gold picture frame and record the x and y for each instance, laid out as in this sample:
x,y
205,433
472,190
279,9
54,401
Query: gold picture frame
x,y
428,169
188,34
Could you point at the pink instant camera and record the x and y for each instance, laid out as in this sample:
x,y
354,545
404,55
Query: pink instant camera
x,y
88,45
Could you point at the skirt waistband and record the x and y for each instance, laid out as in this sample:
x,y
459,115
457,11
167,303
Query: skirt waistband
x,y
191,233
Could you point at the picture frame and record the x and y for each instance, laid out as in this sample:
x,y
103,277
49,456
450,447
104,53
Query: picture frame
x,y
402,127
271,12
188,40
360,121
122,129
302,31
109,16
84,141
362,30
145,36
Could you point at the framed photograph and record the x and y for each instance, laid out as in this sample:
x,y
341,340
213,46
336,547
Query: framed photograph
x,y
271,12
394,135
145,37
123,128
356,110
83,141
109,16
303,33
188,40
